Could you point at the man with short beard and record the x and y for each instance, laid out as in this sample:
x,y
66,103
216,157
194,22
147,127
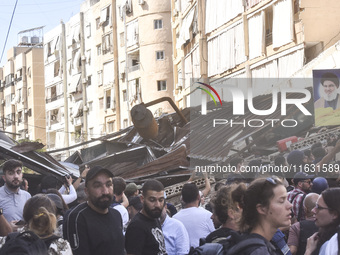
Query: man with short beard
x,y
12,198
329,94
144,234
93,227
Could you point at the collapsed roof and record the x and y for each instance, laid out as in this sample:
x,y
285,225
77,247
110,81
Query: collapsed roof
x,y
167,157
40,162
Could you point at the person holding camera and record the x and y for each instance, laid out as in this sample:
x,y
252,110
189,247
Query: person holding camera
x,y
67,191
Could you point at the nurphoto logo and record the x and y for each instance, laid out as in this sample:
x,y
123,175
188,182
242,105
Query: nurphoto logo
x,y
204,102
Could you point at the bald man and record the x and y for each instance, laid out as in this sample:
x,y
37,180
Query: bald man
x,y
300,231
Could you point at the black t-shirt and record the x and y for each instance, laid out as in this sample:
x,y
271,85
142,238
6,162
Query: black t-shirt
x,y
218,235
144,236
91,233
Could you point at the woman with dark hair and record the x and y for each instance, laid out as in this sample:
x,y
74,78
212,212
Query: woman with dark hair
x,y
61,206
265,209
39,215
327,212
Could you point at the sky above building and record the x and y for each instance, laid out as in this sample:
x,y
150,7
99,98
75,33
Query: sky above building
x,y
30,14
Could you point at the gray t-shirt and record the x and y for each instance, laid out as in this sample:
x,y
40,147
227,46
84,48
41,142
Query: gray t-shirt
x,y
269,249
13,203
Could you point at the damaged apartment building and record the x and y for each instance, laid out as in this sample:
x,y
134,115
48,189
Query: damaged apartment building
x,y
116,54
215,41
90,71
102,62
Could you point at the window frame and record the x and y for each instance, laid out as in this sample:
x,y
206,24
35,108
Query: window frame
x,y
160,55
157,24
160,85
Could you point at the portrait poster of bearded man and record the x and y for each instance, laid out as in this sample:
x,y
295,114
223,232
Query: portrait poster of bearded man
x,y
326,97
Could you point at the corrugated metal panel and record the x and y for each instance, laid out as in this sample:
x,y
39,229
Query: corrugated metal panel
x,y
214,144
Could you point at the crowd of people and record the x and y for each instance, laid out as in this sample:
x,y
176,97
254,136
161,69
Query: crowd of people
x,y
102,214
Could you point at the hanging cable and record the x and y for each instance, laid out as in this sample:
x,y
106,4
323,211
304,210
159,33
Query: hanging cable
x,y
9,28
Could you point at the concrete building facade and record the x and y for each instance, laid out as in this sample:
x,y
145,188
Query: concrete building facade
x,y
81,49
145,54
22,94
218,40
103,61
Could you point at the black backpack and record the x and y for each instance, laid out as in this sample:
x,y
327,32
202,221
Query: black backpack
x,y
235,244
26,243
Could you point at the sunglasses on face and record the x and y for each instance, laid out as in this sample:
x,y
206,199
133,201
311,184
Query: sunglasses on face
x,y
273,180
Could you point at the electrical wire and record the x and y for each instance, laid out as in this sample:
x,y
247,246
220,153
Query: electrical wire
x,y
9,28
48,3
24,123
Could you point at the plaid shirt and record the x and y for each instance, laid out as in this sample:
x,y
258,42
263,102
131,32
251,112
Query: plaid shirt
x,y
297,201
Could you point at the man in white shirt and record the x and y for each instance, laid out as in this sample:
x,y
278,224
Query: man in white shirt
x,y
120,201
175,235
196,220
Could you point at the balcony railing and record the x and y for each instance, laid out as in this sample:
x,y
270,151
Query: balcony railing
x,y
78,121
134,68
9,84
49,100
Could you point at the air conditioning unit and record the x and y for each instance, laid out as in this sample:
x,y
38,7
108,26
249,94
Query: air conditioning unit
x,y
141,2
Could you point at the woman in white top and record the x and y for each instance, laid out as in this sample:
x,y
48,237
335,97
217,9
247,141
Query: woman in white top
x,y
327,218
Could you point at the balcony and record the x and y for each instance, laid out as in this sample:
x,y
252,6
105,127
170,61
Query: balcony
x,y
9,123
55,98
78,121
20,126
55,124
133,68
9,84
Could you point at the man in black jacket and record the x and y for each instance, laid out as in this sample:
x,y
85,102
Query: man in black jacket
x,y
93,227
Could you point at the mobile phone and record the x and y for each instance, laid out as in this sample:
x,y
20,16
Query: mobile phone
x,y
20,223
